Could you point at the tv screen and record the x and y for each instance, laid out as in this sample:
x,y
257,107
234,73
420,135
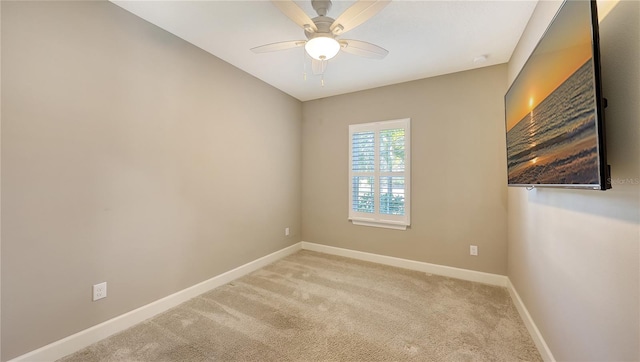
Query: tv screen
x,y
554,108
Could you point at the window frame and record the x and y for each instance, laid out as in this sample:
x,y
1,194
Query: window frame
x,y
376,219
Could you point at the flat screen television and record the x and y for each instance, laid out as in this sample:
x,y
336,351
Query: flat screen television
x,y
554,109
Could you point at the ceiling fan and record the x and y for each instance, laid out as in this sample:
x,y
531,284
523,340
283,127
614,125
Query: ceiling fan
x,y
322,32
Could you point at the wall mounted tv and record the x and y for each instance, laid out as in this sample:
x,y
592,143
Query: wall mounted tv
x,y
554,109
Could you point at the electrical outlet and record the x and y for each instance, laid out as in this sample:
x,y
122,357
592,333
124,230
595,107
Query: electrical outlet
x,y
473,250
99,291
286,231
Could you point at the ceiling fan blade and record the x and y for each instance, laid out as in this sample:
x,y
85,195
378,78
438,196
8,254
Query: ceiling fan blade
x,y
357,14
318,66
283,45
363,49
296,14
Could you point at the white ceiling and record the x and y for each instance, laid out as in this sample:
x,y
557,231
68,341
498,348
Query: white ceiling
x,y
424,39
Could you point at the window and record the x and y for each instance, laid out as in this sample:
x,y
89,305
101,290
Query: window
x,y
379,174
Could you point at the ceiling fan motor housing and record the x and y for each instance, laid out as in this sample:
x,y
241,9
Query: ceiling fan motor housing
x,y
323,23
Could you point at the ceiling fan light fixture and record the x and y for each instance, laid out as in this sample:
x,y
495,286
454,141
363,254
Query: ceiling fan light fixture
x,y
322,48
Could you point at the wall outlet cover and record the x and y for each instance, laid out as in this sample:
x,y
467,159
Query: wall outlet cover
x,y
99,291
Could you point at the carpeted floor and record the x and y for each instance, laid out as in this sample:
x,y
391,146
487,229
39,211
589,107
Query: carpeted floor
x,y
317,307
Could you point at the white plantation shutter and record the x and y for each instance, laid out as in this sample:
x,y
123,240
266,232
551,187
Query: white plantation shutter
x,y
363,166
379,174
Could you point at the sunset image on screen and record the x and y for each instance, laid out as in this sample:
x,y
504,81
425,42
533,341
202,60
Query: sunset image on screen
x,y
550,108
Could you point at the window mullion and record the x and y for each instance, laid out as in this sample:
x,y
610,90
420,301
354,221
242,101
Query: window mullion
x,y
376,179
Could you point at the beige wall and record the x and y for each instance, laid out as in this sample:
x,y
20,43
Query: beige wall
x,y
574,255
132,157
458,169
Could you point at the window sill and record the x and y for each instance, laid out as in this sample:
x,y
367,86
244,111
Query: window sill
x,y
380,224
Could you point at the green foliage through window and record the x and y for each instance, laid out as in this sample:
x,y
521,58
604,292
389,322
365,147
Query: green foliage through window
x,y
392,150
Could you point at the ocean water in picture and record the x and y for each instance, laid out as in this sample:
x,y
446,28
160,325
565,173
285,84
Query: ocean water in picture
x,y
556,143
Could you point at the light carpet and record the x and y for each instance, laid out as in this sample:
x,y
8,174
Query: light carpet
x,y
316,307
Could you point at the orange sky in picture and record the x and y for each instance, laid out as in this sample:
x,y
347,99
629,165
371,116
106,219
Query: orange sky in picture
x,y
548,68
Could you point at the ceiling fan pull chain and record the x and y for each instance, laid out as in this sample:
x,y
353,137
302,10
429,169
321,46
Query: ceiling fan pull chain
x,y
322,80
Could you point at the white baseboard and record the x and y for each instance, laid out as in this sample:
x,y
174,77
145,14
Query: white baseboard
x,y
544,350
75,342
464,274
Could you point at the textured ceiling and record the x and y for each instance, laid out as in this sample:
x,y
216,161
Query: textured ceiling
x,y
424,39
